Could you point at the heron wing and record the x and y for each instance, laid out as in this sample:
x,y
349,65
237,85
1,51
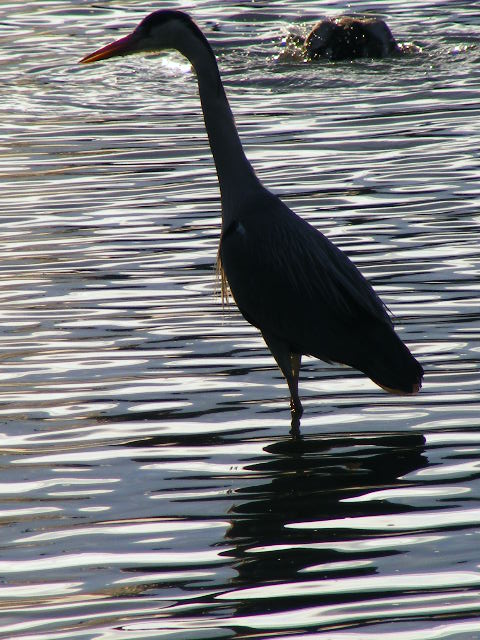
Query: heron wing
x,y
289,280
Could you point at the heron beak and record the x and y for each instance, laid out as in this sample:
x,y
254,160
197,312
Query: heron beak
x,y
118,48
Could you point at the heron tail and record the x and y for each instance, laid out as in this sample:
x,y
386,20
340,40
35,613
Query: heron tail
x,y
390,363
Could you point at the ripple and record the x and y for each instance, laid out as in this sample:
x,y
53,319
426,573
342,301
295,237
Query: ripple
x,y
96,559
428,520
149,485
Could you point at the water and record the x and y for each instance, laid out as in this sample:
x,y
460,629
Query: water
x,y
149,487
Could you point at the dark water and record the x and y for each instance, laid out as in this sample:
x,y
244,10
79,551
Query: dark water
x,y
149,487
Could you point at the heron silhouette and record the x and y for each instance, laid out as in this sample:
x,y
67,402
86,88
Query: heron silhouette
x,y
287,278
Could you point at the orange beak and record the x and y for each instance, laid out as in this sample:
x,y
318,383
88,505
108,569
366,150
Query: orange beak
x,y
118,48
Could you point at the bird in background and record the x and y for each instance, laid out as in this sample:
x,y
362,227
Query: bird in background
x,y
288,280
350,37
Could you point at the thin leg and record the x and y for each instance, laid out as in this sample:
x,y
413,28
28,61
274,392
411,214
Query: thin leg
x,y
295,403
289,364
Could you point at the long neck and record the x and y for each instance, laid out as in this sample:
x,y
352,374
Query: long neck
x,y
235,173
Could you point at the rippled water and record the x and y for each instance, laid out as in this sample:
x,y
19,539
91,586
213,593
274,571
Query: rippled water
x,y
149,486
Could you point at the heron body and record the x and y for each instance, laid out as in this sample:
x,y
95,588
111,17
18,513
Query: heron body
x,y
287,278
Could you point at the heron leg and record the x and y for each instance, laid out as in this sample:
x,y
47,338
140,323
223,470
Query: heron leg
x,y
289,364
295,403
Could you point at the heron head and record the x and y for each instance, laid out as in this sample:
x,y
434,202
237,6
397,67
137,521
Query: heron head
x,y
160,30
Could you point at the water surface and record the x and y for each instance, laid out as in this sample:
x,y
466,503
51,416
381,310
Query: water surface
x,y
149,486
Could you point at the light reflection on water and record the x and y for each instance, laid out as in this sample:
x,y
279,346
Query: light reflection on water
x,y
148,484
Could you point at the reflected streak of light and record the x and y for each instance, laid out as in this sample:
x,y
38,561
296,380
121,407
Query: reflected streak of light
x,y
401,522
159,558
368,584
355,546
126,529
409,492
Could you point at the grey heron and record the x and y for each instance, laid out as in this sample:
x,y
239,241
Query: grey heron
x,y
287,278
